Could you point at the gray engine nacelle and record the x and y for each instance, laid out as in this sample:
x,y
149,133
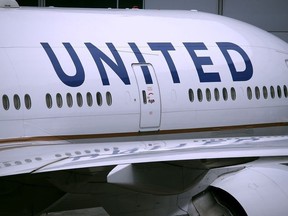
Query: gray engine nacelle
x,y
257,190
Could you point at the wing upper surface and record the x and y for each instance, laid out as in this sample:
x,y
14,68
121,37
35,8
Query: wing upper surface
x,y
36,157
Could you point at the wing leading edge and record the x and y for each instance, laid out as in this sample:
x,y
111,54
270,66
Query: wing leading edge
x,y
39,157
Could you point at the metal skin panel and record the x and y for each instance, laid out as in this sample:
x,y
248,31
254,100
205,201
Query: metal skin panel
x,y
177,59
75,114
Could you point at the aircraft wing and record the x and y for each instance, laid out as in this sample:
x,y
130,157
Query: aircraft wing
x,y
37,157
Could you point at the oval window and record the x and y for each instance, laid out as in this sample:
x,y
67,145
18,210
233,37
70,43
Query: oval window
x,y
17,103
59,100
99,98
233,94
208,95
225,94
69,100
89,99
5,102
279,91
265,92
49,101
272,92
249,93
108,98
28,102
257,92
199,95
191,95
79,99
285,91
216,94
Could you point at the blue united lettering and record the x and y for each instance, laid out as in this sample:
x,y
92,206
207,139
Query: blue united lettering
x,y
118,67
140,58
72,81
164,48
200,61
236,75
164,52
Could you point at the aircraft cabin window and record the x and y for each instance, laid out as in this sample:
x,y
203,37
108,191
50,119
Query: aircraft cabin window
x,y
285,91
199,95
272,92
28,102
216,94
69,100
49,102
249,93
279,91
108,98
257,92
59,100
79,99
225,94
208,94
191,95
89,99
99,98
17,103
5,102
265,92
233,94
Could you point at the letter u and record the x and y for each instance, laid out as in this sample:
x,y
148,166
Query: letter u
x,y
72,81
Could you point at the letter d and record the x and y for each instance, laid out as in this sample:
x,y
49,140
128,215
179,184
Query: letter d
x,y
236,75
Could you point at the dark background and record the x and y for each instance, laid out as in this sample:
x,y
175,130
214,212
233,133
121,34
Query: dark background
x,y
85,3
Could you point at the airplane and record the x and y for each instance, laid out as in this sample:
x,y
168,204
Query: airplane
x,y
141,112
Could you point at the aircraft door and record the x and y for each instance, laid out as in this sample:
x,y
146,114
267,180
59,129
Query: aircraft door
x,y
149,94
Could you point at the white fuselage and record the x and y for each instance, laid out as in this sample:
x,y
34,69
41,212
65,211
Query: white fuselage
x,y
68,73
